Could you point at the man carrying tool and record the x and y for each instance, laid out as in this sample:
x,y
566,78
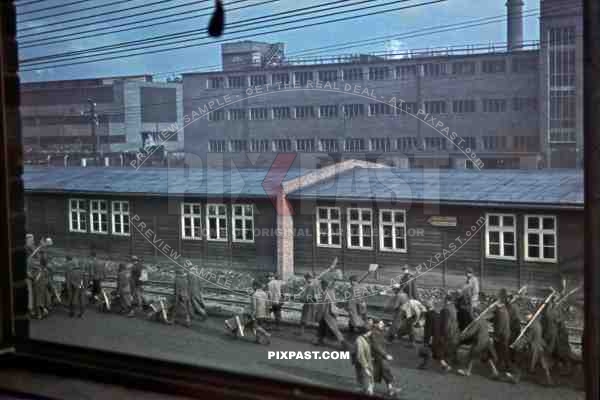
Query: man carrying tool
x,y
182,304
275,298
326,315
198,307
356,305
449,333
124,290
409,283
481,346
309,298
502,335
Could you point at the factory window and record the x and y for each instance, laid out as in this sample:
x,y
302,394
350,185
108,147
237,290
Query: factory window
x,y
353,74
463,106
238,146
354,145
360,231
524,64
302,77
329,111
353,110
435,143
561,36
562,68
392,230
281,113
381,144
256,80
493,66
494,105
216,222
217,83
305,145
469,164
562,136
435,107
526,143
282,145
120,218
305,112
379,73
98,216
407,108
259,145
191,226
407,143
380,109
434,69
259,114
329,227
216,115
236,82
328,76
524,104
243,223
237,114
494,142
329,145
540,238
281,78
406,72
470,142
500,236
463,68
217,146
77,215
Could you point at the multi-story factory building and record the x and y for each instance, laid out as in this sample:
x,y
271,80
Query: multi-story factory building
x,y
514,105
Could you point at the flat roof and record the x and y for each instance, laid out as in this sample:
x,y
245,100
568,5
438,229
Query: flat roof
x,y
544,189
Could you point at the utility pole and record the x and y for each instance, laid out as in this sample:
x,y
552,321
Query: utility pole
x,y
94,123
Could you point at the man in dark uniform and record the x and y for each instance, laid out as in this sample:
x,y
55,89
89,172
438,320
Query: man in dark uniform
x,y
198,307
309,298
124,290
394,306
482,347
326,315
357,306
431,336
41,282
75,287
381,367
409,284
182,298
533,343
137,289
97,273
502,334
549,321
449,333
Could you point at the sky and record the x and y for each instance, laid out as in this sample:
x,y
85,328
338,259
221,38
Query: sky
x,y
203,54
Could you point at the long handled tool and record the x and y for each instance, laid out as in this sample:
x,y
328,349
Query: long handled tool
x,y
106,301
490,307
45,243
332,266
372,268
571,292
533,318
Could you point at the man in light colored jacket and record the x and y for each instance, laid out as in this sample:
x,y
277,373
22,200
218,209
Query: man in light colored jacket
x,y
275,298
472,286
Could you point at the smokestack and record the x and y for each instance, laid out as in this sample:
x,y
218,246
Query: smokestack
x,y
514,24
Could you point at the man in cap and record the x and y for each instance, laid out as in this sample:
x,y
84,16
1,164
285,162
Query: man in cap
x,y
409,283
309,298
431,336
381,358
449,333
124,290
137,289
275,297
502,335
362,359
41,295
258,311
472,288
482,348
357,306
182,298
326,315
75,287
533,343
394,306
198,307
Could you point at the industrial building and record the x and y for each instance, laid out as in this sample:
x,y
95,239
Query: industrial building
x,y
513,227
514,105
101,115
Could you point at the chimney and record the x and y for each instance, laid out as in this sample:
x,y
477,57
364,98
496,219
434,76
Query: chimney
x,y
514,24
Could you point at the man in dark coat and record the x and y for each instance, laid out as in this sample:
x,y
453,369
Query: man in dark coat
x,y
409,284
431,336
381,358
502,334
137,288
97,273
75,287
449,333
326,315
124,290
549,322
197,300
182,298
394,306
309,298
514,316
464,312
482,348
533,343
356,305
41,283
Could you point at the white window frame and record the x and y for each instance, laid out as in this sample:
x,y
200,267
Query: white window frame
x,y
502,230
541,232
329,221
393,225
244,218
219,218
361,224
81,211
192,215
120,215
100,214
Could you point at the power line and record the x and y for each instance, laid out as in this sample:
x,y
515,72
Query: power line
x,y
67,12
44,42
112,12
65,58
